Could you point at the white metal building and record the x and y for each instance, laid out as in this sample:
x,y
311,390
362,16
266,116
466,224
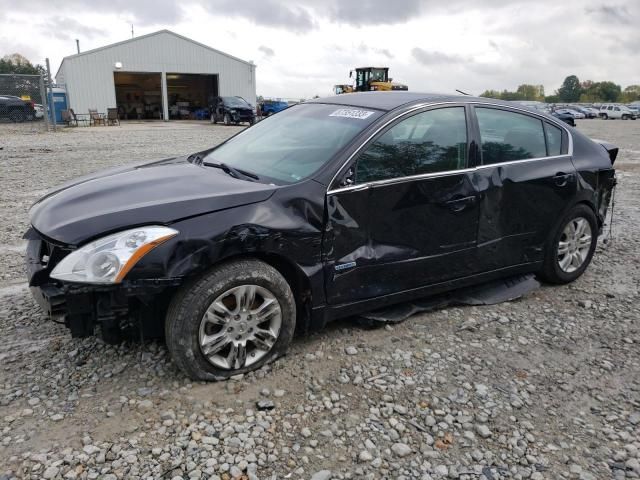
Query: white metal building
x,y
161,75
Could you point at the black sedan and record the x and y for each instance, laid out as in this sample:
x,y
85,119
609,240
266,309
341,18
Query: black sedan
x,y
329,209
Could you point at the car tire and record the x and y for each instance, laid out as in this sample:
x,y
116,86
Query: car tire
x,y
605,116
201,305
625,117
227,119
213,118
578,248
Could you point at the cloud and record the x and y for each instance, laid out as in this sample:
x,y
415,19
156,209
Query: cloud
x,y
268,52
426,57
364,49
270,13
374,12
611,13
66,28
140,12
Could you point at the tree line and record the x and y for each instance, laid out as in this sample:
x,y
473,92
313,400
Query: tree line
x,y
18,64
571,91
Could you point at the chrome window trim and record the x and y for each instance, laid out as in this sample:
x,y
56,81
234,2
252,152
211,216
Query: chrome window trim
x,y
446,173
363,186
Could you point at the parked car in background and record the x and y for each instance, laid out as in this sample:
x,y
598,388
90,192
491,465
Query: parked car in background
x,y
230,110
331,208
586,111
616,112
269,107
15,109
565,117
574,113
635,109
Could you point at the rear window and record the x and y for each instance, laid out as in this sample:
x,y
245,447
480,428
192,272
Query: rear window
x,y
508,136
554,139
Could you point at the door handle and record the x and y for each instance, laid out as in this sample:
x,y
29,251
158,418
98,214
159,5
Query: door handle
x,y
459,203
561,178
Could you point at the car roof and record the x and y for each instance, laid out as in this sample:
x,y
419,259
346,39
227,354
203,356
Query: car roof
x,y
391,100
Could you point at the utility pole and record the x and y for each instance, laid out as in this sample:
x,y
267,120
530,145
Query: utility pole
x,y
45,102
78,45
53,102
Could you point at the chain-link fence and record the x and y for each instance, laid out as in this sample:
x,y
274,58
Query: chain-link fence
x,y
23,99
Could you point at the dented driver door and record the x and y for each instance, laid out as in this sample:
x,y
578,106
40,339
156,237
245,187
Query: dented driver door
x,y
410,216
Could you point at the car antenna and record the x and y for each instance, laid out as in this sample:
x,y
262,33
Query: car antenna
x,y
463,93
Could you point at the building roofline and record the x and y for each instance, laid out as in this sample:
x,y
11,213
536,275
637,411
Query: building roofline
x,y
130,40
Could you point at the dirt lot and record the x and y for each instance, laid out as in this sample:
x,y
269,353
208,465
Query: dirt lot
x,y
546,387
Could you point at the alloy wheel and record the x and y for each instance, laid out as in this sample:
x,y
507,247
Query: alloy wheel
x,y
240,327
574,244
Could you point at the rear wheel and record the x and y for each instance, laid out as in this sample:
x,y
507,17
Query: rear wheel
x,y
570,248
234,319
625,117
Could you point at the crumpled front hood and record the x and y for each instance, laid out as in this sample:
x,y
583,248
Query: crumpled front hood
x,y
151,193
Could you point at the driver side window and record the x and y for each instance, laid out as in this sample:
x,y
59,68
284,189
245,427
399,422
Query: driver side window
x,y
428,142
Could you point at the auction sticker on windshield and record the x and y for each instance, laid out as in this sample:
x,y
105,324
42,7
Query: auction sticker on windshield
x,y
352,113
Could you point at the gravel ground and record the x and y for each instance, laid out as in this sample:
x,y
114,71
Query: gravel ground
x,y
546,387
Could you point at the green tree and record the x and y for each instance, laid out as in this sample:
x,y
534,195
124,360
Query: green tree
x,y
570,90
491,94
631,94
552,98
16,63
602,92
531,92
507,95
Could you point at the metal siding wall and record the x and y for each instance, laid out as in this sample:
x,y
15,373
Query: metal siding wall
x,y
89,78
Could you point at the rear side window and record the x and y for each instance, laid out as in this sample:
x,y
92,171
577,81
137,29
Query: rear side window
x,y
554,139
508,136
428,142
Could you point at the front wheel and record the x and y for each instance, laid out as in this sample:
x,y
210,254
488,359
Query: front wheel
x,y
227,119
213,118
625,117
234,319
605,116
570,248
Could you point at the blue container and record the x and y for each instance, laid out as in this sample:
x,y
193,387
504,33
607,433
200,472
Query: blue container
x,y
58,99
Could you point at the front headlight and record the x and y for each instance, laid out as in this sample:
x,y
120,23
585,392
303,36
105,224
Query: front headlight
x,y
107,260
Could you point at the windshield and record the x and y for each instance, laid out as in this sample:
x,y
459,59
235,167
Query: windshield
x,y
295,143
235,102
377,75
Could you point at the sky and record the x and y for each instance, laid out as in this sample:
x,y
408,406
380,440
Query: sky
x,y
302,48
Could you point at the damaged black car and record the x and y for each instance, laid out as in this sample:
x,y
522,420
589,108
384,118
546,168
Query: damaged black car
x,y
332,208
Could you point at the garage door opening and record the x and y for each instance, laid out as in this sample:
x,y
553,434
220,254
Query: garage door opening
x,y
189,95
138,95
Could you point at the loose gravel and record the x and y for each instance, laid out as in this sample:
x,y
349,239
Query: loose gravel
x,y
547,387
